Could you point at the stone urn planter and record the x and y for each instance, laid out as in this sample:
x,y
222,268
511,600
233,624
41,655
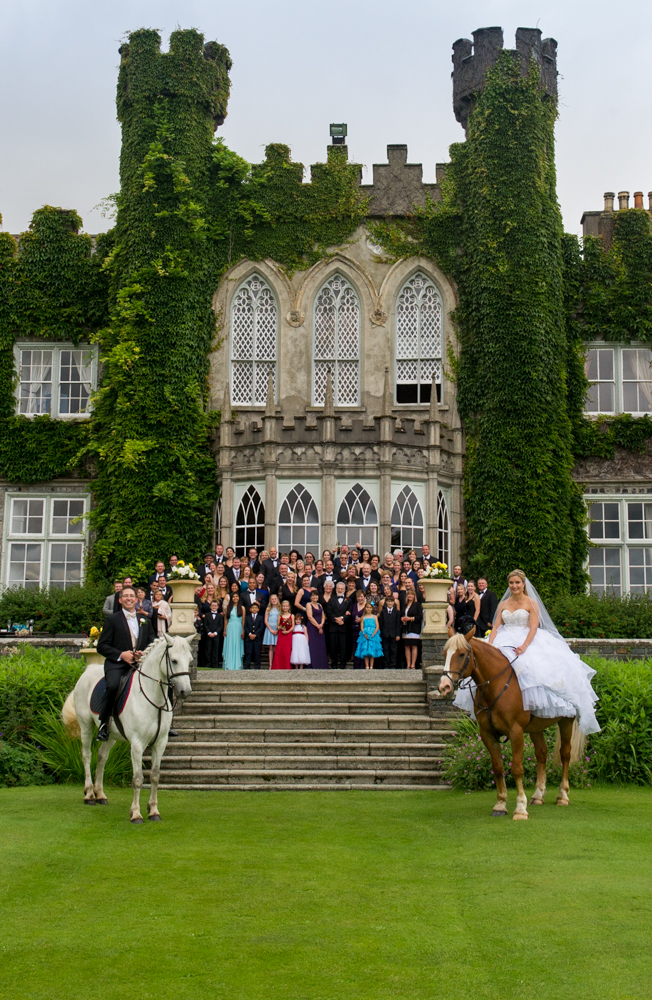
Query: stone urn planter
x,y
183,606
91,656
434,608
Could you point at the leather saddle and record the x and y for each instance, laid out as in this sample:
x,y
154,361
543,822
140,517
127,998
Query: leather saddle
x,y
121,699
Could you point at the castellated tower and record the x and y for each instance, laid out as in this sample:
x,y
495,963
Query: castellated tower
x,y
472,60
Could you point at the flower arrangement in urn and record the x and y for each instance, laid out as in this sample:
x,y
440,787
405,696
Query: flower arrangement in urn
x,y
436,571
93,636
183,572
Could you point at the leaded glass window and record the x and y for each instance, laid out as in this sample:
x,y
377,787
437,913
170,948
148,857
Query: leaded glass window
x,y
254,326
298,521
443,530
250,522
419,340
337,342
407,521
357,519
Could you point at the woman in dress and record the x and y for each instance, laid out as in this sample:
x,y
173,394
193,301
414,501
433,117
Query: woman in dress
x,y
233,649
412,619
457,611
373,596
357,614
351,587
162,612
473,604
302,597
222,593
283,650
270,637
396,575
554,681
369,643
300,655
244,579
316,619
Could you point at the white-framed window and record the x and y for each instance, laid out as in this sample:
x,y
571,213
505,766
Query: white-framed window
x,y
620,559
56,379
254,336
419,340
407,521
621,379
298,521
357,519
44,540
337,343
250,522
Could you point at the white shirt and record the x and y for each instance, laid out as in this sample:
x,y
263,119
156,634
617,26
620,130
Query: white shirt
x,y
132,622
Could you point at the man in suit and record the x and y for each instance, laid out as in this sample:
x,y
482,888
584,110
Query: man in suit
x,y
112,603
253,561
206,568
158,572
212,628
270,569
233,572
365,577
488,607
123,640
250,594
339,621
389,621
254,632
426,558
341,562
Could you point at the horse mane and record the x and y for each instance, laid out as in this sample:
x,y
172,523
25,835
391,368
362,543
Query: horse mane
x,y
456,644
157,646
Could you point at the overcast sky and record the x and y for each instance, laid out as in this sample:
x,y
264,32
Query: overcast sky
x,y
381,66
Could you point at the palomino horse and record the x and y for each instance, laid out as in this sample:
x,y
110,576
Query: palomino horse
x,y
498,708
145,719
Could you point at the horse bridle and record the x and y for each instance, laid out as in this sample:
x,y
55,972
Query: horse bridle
x,y
480,687
164,685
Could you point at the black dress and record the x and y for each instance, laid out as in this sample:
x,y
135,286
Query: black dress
x,y
464,616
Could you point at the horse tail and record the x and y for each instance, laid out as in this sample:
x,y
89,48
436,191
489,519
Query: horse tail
x,y
69,717
578,745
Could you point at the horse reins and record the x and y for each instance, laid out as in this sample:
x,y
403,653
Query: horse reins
x,y
480,687
168,704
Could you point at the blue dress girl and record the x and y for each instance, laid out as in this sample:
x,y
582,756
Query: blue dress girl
x,y
369,644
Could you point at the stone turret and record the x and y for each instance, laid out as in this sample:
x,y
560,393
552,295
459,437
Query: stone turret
x,y
472,60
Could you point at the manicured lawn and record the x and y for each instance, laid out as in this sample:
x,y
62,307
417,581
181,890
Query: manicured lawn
x,y
322,896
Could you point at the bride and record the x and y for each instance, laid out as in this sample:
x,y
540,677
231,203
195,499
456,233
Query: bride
x,y
553,680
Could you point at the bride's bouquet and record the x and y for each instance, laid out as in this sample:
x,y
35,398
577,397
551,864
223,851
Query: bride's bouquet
x,y
183,572
436,571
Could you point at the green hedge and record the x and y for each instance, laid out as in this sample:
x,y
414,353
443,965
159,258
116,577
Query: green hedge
x,y
621,753
591,616
31,682
56,611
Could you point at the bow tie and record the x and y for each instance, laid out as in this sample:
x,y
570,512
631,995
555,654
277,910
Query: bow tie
x,y
131,614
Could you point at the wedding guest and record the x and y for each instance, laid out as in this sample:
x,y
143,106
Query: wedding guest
x,y
369,645
488,608
213,630
272,613
254,629
300,655
357,614
143,606
233,649
284,641
412,619
316,621
112,604
390,630
162,612
339,617
302,596
158,573
474,603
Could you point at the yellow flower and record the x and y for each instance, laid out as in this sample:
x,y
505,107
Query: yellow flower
x,y
181,563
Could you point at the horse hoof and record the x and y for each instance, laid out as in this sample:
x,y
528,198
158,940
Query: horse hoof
x,y
536,802
155,818
520,816
90,802
563,802
102,802
138,819
499,812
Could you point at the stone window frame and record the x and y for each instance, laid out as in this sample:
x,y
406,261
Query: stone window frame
x,y
294,543
257,399
352,498
618,381
340,272
418,358
443,529
46,538
625,544
57,348
398,525
251,501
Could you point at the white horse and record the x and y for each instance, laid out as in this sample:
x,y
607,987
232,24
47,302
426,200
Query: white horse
x,y
146,717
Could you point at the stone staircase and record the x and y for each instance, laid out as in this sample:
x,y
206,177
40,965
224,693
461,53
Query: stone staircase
x,y
340,729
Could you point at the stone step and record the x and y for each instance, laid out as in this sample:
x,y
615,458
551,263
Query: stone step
x,y
300,684
307,720
176,749
313,776
291,697
301,762
293,737
306,786
300,709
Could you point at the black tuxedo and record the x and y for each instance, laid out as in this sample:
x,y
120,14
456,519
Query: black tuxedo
x,y
212,646
488,608
248,598
390,630
116,638
360,584
338,633
229,573
253,647
271,571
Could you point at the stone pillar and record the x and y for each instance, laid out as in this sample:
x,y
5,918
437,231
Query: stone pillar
x,y
457,504
327,514
434,464
269,463
385,465
226,477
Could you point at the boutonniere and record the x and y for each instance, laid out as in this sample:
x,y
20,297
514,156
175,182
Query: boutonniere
x,y
141,621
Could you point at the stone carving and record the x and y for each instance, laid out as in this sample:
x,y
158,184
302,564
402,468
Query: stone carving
x,y
295,317
378,317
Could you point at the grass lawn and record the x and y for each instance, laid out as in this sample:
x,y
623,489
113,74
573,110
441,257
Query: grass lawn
x,y
325,895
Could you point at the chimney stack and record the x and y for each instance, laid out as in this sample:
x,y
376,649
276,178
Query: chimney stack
x,y
623,200
638,199
609,201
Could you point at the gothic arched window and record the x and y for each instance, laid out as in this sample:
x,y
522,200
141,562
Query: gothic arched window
x,y
443,530
407,521
298,521
357,520
337,342
254,322
250,522
419,336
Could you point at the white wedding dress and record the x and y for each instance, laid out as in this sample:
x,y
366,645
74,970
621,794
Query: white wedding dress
x,y
553,679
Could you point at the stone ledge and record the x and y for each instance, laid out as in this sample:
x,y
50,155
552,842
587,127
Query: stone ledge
x,y
70,644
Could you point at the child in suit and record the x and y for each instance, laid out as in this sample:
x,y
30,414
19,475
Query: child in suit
x,y
254,630
212,628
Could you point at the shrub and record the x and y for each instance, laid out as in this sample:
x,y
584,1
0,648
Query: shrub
x,y
75,609
31,682
595,616
21,765
469,763
62,756
622,751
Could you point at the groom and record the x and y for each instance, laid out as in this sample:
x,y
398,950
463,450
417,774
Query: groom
x,y
124,638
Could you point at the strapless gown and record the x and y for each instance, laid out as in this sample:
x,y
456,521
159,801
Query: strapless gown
x,y
554,681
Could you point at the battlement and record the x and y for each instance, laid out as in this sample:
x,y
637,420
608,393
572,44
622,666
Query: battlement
x,y
472,60
398,185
